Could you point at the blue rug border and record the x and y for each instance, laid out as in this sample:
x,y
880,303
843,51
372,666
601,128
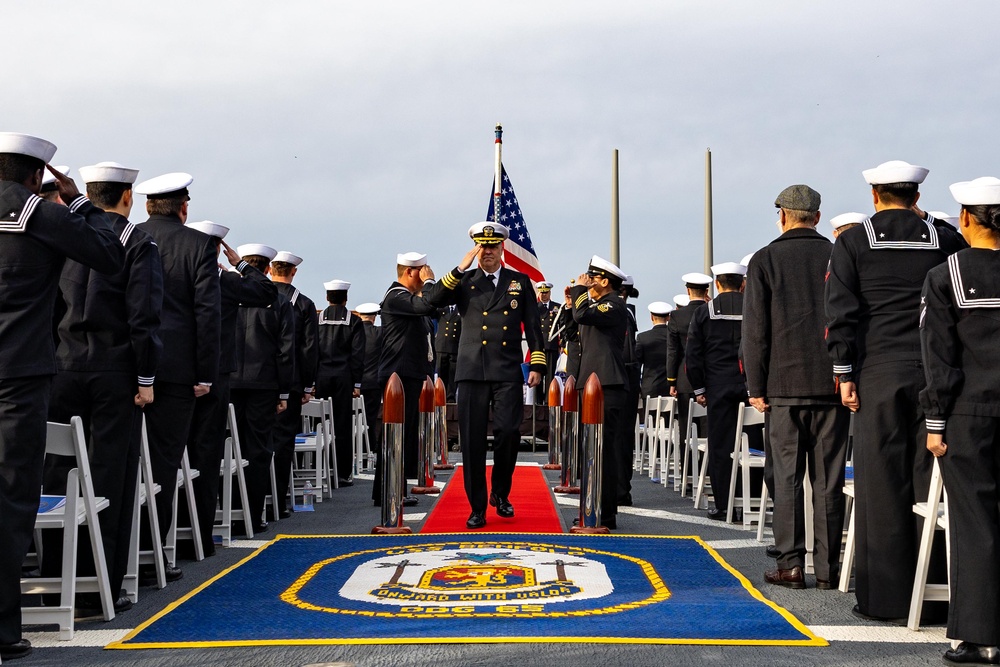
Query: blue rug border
x,y
810,639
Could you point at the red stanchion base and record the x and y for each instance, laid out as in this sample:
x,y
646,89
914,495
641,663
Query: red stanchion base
x,y
423,490
584,530
567,489
551,466
443,466
382,530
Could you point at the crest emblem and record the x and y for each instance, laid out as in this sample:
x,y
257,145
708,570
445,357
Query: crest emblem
x,y
488,231
604,307
513,304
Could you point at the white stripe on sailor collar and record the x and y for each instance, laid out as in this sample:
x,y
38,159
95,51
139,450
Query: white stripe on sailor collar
x,y
876,244
958,289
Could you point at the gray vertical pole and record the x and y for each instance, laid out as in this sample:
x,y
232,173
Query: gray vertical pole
x,y
709,252
615,244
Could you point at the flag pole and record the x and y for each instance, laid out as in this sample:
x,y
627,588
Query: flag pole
x,y
709,251
615,239
497,174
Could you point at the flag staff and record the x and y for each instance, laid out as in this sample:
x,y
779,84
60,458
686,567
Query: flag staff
x,y
615,237
497,174
709,252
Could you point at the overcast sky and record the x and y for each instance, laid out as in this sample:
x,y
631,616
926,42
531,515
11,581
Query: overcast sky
x,y
348,132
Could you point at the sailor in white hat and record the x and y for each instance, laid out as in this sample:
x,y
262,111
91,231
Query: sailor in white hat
x,y
284,267
495,304
872,307
39,234
697,295
371,392
651,351
634,369
944,217
50,188
681,300
841,223
959,333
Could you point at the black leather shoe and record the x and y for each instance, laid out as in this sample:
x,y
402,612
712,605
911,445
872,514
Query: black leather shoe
x,y
772,552
789,578
260,527
410,501
625,501
284,513
476,520
880,619
504,508
968,653
343,481
91,611
147,574
826,585
18,649
715,514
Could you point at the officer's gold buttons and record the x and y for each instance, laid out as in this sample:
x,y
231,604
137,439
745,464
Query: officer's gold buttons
x,y
484,342
484,327
485,313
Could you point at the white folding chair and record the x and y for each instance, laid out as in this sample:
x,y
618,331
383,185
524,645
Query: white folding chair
x,y
185,482
668,433
145,497
697,449
311,456
935,516
642,441
847,563
362,446
232,465
80,509
743,461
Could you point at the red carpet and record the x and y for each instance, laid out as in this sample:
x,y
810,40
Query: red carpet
x,y
534,510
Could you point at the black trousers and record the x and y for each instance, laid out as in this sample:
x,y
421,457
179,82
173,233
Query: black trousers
x,y
411,419
112,424
445,369
971,470
809,439
287,425
168,428
24,407
474,402
625,448
206,447
340,392
723,400
616,413
373,413
892,470
255,416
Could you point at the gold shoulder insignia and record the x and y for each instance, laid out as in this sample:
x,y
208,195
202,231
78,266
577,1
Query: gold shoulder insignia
x,y
604,307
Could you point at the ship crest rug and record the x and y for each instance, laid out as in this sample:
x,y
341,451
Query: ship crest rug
x,y
307,590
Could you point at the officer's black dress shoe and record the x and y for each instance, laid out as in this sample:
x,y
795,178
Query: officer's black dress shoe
x,y
968,653
504,508
410,501
868,617
18,649
716,514
625,501
773,552
789,578
476,520
826,584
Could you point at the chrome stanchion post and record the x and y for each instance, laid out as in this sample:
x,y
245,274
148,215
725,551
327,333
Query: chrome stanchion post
x,y
592,417
555,424
393,482
570,438
441,417
426,441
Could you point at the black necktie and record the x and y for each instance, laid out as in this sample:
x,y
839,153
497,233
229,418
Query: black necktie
x,y
493,282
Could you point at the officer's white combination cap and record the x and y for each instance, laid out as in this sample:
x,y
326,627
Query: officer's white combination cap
x,y
258,249
108,172
210,228
543,286
629,281
287,258
411,259
697,279
165,185
681,300
48,177
851,218
660,308
337,285
895,171
601,265
983,191
488,233
25,144
368,308
729,268
945,217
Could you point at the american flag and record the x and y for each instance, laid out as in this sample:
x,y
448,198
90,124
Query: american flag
x,y
519,252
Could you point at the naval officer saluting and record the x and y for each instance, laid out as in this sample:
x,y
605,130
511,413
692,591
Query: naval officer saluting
x,y
495,303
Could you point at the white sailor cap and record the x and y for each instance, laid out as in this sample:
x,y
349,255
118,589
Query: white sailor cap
x,y
488,233
697,280
167,186
681,300
25,144
851,218
983,191
337,286
259,249
108,172
945,217
210,228
368,309
602,267
48,178
543,286
729,268
287,258
895,171
746,260
660,308
411,259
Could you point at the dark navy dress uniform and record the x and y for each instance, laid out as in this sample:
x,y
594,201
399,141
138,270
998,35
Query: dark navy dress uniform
x,y
371,392
190,324
677,333
108,346
569,339
547,313
872,307
35,239
489,369
341,367
603,327
207,443
449,328
289,423
651,355
713,369
959,326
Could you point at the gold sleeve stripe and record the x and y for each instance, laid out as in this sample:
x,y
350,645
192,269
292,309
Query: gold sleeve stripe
x,y
581,300
450,281
537,357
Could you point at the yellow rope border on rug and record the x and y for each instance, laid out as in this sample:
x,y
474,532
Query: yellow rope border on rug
x,y
812,639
